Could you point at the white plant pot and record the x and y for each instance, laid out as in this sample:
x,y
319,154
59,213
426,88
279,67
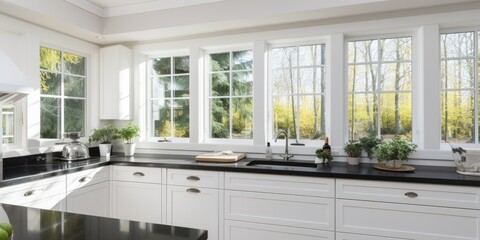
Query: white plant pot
x,y
394,163
353,160
105,149
129,149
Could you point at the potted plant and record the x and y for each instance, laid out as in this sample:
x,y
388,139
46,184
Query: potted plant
x,y
104,136
369,144
353,150
128,133
323,156
394,152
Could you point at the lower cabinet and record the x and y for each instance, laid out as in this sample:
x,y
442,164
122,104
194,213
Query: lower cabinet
x,y
194,208
349,236
137,201
238,230
92,200
56,203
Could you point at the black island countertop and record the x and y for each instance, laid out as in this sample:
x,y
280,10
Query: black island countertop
x,y
39,224
34,168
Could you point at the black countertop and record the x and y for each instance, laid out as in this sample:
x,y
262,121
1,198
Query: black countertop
x,y
34,169
38,224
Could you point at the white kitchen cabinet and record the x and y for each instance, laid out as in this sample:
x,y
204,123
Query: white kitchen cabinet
x,y
237,230
88,192
47,193
194,200
116,83
272,207
407,210
91,200
138,193
137,201
348,236
194,207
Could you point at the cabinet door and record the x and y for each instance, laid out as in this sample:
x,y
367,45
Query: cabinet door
x,y
236,230
407,221
194,208
137,201
91,200
347,236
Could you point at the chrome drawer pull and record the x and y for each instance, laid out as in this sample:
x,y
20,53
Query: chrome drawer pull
x,y
411,194
193,190
32,192
139,174
84,179
193,178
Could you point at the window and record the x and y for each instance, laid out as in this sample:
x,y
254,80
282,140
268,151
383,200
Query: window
x,y
231,94
62,96
169,97
459,84
298,77
8,124
379,88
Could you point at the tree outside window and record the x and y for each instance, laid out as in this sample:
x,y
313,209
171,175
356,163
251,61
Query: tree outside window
x,y
62,96
170,101
379,88
298,76
231,94
458,87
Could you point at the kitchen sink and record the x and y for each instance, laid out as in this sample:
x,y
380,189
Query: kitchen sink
x,y
282,163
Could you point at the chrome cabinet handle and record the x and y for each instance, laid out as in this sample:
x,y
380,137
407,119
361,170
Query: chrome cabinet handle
x,y
193,190
193,178
32,192
139,174
84,179
411,194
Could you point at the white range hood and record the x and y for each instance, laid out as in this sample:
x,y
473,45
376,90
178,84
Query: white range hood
x,y
13,82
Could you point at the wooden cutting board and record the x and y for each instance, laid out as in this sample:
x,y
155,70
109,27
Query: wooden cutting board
x,y
220,157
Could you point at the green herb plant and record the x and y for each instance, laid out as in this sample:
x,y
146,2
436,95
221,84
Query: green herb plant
x,y
129,132
395,149
323,155
353,149
369,144
104,135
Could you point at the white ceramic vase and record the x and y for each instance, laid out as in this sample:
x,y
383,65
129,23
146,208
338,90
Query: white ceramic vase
x,y
105,149
353,160
129,149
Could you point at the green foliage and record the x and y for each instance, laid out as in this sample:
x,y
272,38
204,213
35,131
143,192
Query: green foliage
x,y
353,148
104,135
323,155
395,149
129,132
369,144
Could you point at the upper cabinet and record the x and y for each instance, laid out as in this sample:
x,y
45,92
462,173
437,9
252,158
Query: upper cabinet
x,y
116,83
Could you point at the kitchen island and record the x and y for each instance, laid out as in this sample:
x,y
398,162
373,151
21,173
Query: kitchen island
x,y
39,224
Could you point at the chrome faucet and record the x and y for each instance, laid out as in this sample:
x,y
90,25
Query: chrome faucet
x,y
286,156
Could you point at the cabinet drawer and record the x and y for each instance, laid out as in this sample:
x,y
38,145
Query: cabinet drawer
x,y
56,202
348,236
137,174
407,221
193,178
294,185
235,230
422,194
87,178
32,191
286,210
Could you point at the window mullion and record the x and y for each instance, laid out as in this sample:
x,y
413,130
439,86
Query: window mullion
x,y
230,97
475,70
379,95
172,129
62,95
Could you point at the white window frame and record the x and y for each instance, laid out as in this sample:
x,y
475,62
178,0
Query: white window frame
x,y
149,122
19,126
62,97
206,99
270,117
476,31
414,79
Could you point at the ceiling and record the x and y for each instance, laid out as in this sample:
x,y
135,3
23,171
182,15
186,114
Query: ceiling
x,y
130,21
